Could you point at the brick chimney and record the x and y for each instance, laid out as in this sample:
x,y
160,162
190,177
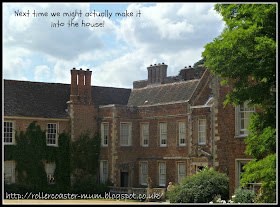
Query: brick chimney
x,y
88,85
74,87
187,73
80,85
157,73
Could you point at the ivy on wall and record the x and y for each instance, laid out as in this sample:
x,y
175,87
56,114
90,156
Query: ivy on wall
x,y
31,152
85,155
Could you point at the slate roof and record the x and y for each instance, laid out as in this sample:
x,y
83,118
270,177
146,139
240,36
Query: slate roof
x,y
48,100
164,93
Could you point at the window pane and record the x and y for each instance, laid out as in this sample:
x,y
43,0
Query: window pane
x,y
8,132
145,134
201,130
182,133
144,173
163,135
162,174
244,118
51,134
125,134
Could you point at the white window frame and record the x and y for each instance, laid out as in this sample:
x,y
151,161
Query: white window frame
x,y
202,139
182,133
162,134
50,170
145,134
242,132
124,136
162,174
103,171
104,134
143,173
9,171
9,130
238,163
181,174
52,133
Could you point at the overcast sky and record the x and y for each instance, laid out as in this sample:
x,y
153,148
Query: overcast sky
x,y
117,52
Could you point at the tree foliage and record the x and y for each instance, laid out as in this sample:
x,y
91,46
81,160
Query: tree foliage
x,y
244,55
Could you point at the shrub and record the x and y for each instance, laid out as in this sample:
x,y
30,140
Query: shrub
x,y
200,188
244,196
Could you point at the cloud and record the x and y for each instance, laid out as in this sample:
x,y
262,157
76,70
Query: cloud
x,y
15,67
37,35
118,53
42,73
169,28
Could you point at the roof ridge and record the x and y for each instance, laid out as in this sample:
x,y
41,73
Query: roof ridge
x,y
166,84
23,81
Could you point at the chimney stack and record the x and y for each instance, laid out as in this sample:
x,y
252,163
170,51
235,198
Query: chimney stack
x,y
80,85
157,73
74,87
187,73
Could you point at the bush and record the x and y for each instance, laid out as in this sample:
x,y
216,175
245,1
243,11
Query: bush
x,y
244,196
200,188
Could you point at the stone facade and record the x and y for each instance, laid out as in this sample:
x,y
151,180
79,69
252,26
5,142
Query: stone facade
x,y
197,130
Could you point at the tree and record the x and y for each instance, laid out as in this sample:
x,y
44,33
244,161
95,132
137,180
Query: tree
x,y
244,55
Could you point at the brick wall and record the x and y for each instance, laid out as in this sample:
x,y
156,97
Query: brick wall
x,y
120,156
21,123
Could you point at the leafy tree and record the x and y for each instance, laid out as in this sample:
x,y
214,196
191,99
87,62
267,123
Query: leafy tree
x,y
244,55
200,188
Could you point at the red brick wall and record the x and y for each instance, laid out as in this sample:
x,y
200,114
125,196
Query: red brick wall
x,y
83,119
229,148
22,124
153,153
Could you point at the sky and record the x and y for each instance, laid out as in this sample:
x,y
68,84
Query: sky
x,y
39,45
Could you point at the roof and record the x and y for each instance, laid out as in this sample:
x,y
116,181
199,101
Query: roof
x,y
163,93
49,100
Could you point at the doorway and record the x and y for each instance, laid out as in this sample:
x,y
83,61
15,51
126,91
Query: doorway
x,y
124,179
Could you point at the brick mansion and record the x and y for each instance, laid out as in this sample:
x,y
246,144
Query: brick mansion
x,y
166,127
